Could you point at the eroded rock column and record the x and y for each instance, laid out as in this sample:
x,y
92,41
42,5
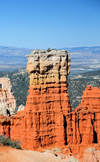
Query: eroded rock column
x,y
48,99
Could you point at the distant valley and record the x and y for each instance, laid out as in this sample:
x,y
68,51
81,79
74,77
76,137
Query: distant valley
x,y
12,58
83,59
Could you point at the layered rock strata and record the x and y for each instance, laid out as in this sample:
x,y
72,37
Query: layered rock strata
x,y
83,124
47,120
42,121
6,96
77,130
3,110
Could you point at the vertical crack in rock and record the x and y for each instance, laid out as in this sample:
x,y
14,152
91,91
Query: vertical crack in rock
x,y
65,129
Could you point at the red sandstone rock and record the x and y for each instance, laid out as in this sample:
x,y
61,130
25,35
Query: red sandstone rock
x,y
4,126
41,124
90,100
47,120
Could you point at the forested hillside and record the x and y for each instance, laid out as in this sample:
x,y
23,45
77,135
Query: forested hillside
x,y
77,84
20,83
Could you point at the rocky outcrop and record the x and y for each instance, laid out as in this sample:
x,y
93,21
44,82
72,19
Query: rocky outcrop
x,y
41,123
91,154
6,96
5,84
48,67
21,107
90,100
3,110
47,120
83,123
4,126
48,81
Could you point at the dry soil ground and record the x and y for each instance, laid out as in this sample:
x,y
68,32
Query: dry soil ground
x,y
8,154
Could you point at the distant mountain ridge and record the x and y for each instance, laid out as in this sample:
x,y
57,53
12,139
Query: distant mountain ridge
x,y
94,49
12,58
83,59
14,51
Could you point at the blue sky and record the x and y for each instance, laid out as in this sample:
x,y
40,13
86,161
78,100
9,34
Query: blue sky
x,y
39,24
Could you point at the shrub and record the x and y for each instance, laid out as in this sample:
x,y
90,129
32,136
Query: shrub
x,y
8,142
48,50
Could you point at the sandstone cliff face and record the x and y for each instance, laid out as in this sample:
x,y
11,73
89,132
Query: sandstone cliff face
x,y
4,126
48,67
3,109
90,100
41,123
47,120
5,84
6,96
82,125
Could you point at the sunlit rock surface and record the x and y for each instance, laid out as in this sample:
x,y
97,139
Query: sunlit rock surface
x,y
47,120
6,96
41,123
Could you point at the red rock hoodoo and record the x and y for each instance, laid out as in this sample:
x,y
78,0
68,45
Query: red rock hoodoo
x,y
47,120
42,121
87,116
83,124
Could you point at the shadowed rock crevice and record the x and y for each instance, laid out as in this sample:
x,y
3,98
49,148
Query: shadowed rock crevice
x,y
65,130
95,137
